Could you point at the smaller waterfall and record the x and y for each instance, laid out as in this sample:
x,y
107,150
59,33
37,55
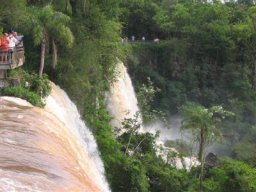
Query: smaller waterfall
x,y
122,101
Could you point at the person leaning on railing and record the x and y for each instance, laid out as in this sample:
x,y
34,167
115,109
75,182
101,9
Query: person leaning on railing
x,y
19,42
4,46
12,42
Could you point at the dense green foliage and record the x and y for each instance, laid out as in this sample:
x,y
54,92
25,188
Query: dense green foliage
x,y
21,92
231,175
142,171
27,86
206,54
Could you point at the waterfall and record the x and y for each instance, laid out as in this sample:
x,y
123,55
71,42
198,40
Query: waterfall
x,y
59,104
47,149
122,101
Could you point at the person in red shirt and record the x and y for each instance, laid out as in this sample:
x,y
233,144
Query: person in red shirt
x,y
4,47
0,49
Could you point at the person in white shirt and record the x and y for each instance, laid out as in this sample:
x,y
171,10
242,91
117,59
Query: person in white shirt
x,y
19,42
12,42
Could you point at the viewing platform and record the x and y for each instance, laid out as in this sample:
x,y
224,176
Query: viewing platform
x,y
15,59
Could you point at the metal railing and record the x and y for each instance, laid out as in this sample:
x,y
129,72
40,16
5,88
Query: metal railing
x,y
15,58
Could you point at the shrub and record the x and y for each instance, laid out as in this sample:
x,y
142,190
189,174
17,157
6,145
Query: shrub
x,y
28,86
32,82
23,93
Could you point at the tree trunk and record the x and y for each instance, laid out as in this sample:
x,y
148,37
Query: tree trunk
x,y
254,75
139,144
84,5
41,69
201,156
68,7
47,44
201,145
54,54
128,144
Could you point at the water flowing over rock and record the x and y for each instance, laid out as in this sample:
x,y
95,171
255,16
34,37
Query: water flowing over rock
x,y
47,149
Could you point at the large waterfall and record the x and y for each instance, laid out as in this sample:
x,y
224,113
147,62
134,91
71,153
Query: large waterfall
x,y
47,149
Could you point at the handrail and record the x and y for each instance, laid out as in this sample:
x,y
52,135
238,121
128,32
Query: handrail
x,y
16,49
15,58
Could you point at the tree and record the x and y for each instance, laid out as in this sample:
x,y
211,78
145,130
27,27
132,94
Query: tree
x,y
249,39
203,123
137,18
146,94
231,175
132,125
48,23
59,5
12,12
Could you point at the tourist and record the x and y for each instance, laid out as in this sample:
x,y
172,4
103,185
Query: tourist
x,y
4,47
12,42
19,42
156,40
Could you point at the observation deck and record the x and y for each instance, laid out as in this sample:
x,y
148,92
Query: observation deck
x,y
15,59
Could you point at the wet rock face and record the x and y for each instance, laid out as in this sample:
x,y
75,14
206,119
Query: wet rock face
x,y
211,161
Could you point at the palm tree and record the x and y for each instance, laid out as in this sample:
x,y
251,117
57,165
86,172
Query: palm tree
x,y
203,123
47,23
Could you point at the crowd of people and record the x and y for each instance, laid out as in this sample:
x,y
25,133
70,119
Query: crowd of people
x,y
8,42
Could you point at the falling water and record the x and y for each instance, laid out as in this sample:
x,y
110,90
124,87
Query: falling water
x,y
122,101
47,150
59,104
